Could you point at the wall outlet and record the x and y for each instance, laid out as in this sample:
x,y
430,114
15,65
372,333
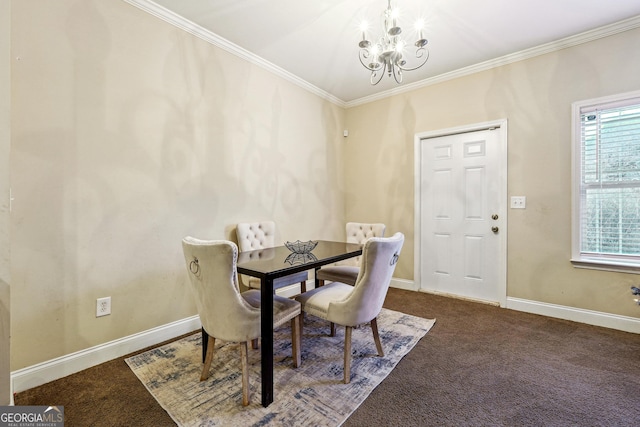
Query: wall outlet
x,y
103,306
518,202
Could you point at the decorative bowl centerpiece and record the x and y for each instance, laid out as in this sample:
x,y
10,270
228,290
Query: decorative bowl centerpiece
x,y
299,247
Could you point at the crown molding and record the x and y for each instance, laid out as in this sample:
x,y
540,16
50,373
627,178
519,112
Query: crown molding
x,y
587,36
208,36
198,31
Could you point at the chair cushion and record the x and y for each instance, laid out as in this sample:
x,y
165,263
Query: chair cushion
x,y
284,309
339,273
316,301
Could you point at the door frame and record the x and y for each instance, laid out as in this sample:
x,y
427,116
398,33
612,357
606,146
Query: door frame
x,y
419,139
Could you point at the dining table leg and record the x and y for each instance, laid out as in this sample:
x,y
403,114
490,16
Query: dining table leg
x,y
266,329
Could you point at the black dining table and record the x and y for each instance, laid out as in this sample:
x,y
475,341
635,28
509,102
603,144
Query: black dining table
x,y
272,263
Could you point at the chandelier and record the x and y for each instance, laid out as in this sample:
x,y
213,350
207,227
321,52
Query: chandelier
x,y
386,55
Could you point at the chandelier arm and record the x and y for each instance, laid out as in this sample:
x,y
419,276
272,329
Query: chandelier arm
x,y
363,54
397,74
373,80
424,61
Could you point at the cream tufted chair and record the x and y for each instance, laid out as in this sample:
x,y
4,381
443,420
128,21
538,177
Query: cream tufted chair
x,y
354,305
347,271
261,235
227,314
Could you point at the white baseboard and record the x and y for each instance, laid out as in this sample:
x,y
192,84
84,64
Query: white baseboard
x,y
407,285
42,373
596,318
590,317
33,376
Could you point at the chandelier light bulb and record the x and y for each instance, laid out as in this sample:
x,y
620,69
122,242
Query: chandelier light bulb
x,y
385,56
364,43
419,27
364,27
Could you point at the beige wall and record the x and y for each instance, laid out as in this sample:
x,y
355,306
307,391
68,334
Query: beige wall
x,y
5,133
129,134
535,96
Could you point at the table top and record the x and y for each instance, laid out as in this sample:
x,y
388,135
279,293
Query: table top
x,y
280,261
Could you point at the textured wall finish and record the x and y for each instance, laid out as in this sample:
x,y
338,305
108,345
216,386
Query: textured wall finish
x,y
129,134
535,96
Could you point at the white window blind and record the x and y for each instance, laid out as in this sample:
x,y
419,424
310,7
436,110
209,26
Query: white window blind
x,y
610,180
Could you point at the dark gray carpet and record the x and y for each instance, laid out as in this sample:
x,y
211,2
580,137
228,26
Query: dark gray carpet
x,y
478,366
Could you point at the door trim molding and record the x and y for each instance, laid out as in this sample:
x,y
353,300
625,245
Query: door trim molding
x,y
419,138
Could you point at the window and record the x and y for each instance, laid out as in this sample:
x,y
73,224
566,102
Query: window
x,y
606,187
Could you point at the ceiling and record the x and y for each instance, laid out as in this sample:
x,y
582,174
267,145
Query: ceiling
x,y
317,41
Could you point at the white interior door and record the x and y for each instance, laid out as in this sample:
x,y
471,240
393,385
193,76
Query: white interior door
x,y
462,217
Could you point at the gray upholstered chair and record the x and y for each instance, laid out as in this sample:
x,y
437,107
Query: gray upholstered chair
x,y
261,235
347,271
354,305
227,314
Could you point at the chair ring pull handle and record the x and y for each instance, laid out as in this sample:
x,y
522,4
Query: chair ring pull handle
x,y
394,259
194,267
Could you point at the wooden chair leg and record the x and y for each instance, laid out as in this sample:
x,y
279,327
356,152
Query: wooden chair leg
x,y
244,357
296,338
211,342
254,343
320,282
347,354
303,287
333,330
376,336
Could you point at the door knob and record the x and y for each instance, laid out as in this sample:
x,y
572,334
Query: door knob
x,y
495,229
494,216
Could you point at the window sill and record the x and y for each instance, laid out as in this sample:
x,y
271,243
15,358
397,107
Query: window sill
x,y
607,265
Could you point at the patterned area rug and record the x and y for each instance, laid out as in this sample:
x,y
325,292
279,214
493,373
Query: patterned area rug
x,y
313,394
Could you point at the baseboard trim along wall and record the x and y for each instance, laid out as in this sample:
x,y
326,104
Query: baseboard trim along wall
x,y
595,318
407,285
42,373
33,376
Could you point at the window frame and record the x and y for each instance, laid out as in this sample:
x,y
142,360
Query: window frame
x,y
620,263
